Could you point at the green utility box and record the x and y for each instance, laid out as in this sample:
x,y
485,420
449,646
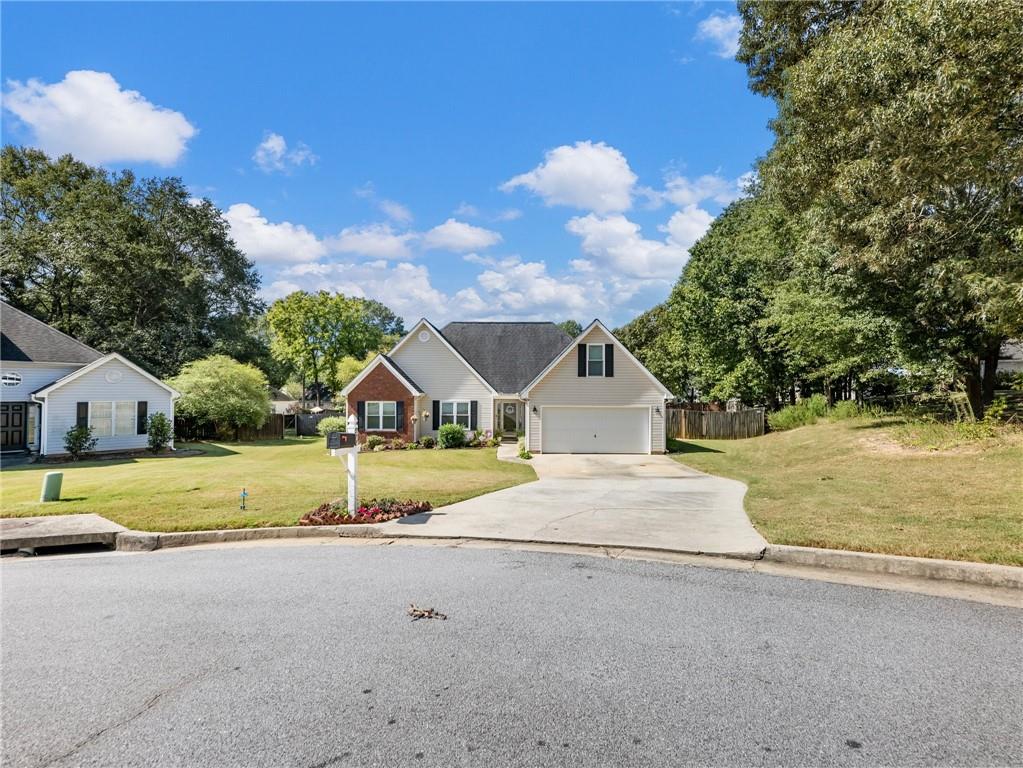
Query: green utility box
x,y
51,486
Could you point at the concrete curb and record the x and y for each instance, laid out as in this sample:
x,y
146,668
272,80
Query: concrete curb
x,y
145,541
898,565
980,574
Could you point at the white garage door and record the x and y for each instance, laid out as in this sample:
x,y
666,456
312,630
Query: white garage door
x,y
595,430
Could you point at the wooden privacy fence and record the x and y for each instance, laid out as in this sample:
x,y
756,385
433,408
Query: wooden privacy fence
x,y
187,429
686,424
306,423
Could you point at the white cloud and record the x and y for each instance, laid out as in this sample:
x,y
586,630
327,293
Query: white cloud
x,y
374,240
683,191
723,31
589,176
615,242
508,214
263,241
687,226
395,211
273,154
89,115
460,237
467,210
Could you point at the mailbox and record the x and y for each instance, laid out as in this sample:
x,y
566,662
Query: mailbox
x,y
338,440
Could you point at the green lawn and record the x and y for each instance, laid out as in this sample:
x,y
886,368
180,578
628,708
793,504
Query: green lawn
x,y
850,485
285,479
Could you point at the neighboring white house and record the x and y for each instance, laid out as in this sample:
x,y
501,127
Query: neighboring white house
x,y
282,402
49,382
565,395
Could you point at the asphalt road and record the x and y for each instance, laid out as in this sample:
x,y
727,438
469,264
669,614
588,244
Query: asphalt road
x,y
304,656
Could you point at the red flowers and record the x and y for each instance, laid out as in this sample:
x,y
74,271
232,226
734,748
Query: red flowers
x,y
374,511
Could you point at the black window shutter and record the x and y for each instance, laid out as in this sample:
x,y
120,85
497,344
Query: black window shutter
x,y
474,409
609,359
399,415
436,414
141,417
582,359
82,416
360,413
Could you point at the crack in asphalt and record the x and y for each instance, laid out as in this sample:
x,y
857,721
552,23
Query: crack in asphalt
x,y
151,702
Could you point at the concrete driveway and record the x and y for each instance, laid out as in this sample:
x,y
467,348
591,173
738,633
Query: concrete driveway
x,y
651,502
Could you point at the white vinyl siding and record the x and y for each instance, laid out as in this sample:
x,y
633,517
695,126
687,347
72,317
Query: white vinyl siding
x,y
61,410
33,376
442,376
630,386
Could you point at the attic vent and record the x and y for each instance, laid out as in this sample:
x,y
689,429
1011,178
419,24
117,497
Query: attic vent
x,y
113,376
11,378
424,335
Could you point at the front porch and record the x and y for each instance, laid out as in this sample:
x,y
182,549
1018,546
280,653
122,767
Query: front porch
x,y
509,418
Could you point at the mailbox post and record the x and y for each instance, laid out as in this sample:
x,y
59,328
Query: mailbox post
x,y
347,444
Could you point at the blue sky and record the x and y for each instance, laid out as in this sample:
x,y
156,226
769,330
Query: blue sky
x,y
455,161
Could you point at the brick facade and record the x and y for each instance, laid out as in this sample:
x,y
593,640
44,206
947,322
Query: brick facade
x,y
381,384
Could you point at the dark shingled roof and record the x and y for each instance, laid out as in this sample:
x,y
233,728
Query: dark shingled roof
x,y
508,355
24,339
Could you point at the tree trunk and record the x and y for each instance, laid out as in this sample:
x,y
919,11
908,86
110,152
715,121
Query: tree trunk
x,y
990,372
974,393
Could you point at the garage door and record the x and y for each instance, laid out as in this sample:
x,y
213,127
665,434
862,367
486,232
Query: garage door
x,y
595,430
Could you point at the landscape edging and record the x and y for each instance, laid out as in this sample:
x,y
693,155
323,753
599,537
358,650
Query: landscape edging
x,y
982,574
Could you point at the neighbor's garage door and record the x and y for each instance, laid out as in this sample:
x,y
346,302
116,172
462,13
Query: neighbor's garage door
x,y
595,430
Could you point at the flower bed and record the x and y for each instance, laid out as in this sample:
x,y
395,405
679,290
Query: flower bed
x,y
375,511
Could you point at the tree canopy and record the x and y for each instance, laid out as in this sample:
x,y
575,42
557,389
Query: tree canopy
x,y
222,391
315,332
135,266
900,129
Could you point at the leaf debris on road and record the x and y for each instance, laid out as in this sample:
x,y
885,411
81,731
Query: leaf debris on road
x,y
424,613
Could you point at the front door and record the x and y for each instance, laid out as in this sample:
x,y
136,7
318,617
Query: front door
x,y
12,426
509,418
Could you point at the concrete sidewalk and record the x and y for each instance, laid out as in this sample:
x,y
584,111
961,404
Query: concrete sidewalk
x,y
648,502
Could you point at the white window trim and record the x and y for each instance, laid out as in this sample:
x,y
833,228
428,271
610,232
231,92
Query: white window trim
x,y
454,412
603,362
113,418
381,416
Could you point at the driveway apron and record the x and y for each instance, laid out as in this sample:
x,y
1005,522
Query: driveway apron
x,y
650,502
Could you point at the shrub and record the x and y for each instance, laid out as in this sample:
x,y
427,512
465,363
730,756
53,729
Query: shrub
x,y
373,442
332,424
494,441
78,441
844,409
428,441
524,451
222,391
451,436
802,413
159,431
380,448
412,446
397,444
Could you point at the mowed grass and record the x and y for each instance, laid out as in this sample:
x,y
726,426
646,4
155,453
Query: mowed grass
x,y
849,485
284,479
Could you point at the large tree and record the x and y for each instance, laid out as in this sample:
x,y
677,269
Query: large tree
x,y
901,125
126,265
222,391
314,332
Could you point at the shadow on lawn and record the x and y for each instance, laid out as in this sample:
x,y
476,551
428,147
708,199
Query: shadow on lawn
x,y
681,446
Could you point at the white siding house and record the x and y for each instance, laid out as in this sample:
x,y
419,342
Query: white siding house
x,y
442,375
621,413
583,395
50,382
